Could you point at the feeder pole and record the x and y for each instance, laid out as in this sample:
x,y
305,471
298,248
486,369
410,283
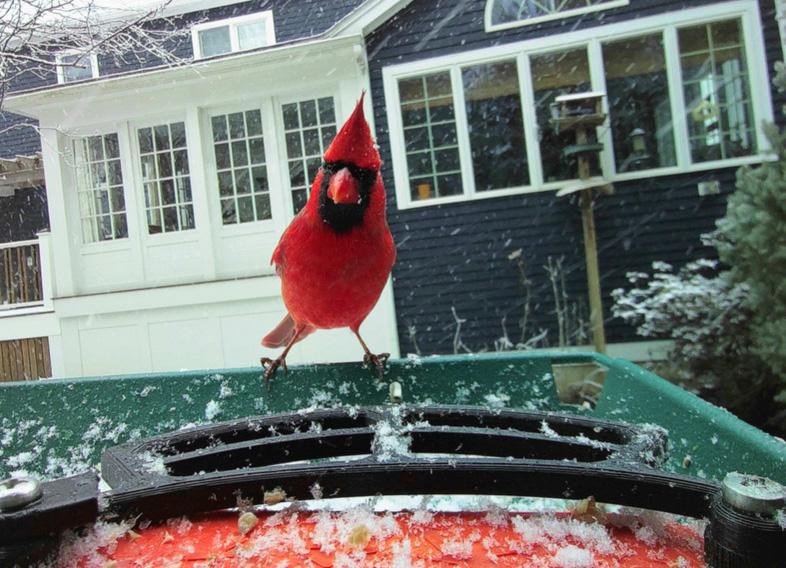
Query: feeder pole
x,y
593,273
591,250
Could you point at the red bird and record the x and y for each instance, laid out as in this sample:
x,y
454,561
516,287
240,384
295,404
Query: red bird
x,y
336,255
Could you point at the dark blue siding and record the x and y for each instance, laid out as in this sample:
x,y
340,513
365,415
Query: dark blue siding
x,y
457,255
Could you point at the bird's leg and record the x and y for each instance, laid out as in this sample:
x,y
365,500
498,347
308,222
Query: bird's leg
x,y
272,365
369,358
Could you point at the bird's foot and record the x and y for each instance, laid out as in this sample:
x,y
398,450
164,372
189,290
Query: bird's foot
x,y
271,366
379,361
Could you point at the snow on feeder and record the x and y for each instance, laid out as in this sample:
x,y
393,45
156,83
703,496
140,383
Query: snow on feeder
x,y
457,481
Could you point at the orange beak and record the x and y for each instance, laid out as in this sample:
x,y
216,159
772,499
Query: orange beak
x,y
343,187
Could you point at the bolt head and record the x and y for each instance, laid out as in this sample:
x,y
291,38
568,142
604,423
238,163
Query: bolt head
x,y
17,492
753,493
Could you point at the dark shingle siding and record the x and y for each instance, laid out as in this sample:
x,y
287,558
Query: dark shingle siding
x,y
18,135
457,255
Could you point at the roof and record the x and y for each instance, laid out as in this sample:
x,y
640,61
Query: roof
x,y
295,21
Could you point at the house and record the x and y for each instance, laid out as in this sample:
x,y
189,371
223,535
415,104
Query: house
x,y
462,92
168,187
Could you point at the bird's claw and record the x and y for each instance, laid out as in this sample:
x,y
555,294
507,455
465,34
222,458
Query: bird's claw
x,y
271,366
379,361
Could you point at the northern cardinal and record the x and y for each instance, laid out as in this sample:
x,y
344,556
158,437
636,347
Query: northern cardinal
x,y
335,256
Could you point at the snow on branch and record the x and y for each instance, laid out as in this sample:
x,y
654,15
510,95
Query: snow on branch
x,y
34,32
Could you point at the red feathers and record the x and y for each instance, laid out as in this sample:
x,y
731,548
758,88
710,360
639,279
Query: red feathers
x,y
335,257
354,143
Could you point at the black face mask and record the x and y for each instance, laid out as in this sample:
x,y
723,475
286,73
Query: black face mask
x,y
344,216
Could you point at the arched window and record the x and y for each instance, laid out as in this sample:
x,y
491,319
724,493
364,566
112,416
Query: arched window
x,y
502,14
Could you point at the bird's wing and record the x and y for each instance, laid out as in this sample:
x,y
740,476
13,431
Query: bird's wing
x,y
282,334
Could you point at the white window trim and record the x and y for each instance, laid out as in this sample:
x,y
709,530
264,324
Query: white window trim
x,y
211,171
746,10
232,23
60,67
608,5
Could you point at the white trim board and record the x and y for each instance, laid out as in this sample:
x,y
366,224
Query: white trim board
x,y
667,23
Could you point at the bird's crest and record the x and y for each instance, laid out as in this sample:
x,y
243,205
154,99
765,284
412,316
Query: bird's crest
x,y
353,144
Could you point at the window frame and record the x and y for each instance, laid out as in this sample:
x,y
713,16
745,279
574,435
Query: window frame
x,y
592,39
281,142
490,27
232,24
61,78
164,237
211,168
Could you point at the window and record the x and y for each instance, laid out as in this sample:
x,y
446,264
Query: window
x,y
640,111
309,127
554,74
679,97
495,128
102,205
717,93
76,67
236,34
239,150
430,136
165,177
502,14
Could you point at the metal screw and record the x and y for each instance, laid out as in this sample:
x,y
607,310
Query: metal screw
x,y
17,492
753,493
396,395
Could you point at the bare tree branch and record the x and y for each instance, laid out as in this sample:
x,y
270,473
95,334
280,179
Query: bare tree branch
x,y
34,32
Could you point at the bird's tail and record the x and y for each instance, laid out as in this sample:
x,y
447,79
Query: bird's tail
x,y
282,334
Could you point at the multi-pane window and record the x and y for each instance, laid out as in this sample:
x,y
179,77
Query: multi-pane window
x,y
428,118
309,128
554,74
717,92
239,150
640,110
519,12
165,177
102,205
496,125
464,129
76,67
237,34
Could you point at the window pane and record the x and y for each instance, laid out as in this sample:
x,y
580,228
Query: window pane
x,y
640,113
496,128
219,125
429,134
99,186
717,91
251,35
76,67
215,41
254,122
555,74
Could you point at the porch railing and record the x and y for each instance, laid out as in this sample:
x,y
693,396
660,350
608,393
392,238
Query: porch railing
x,y
21,283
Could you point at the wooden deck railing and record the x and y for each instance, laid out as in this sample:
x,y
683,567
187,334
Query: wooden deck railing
x,y
20,275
